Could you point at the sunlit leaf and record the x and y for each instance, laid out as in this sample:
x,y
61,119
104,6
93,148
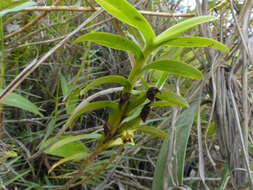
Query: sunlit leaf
x,y
113,41
196,42
7,6
16,100
68,145
154,131
177,29
172,98
108,79
125,12
175,67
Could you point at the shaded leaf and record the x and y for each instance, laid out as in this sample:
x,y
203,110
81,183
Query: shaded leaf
x,y
154,131
112,41
125,12
19,101
64,85
161,165
81,109
196,42
108,79
183,129
175,67
74,157
181,27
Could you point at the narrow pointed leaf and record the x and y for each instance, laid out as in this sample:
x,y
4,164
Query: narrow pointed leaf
x,y
112,41
89,107
73,157
108,79
175,67
172,98
70,143
181,27
19,101
183,129
152,131
161,165
125,12
196,42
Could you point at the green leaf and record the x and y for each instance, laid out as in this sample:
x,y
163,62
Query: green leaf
x,y
180,27
161,165
64,85
19,101
175,67
152,131
125,12
7,6
68,145
196,42
74,157
112,41
108,79
81,109
72,100
183,130
172,98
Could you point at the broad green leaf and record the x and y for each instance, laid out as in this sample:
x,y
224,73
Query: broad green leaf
x,y
19,101
112,41
108,79
7,6
75,157
196,42
172,98
125,12
181,27
154,131
175,67
81,109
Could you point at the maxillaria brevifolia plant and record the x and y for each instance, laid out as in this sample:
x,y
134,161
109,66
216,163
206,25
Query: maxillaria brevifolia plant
x,y
128,115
